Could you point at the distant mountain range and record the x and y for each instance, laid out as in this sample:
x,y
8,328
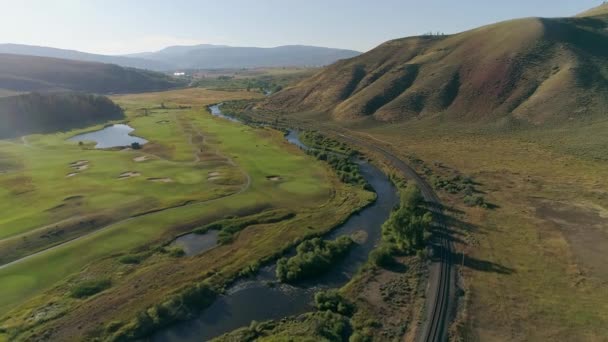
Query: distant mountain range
x,y
203,56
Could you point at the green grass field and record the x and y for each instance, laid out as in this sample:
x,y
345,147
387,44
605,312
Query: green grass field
x,y
222,173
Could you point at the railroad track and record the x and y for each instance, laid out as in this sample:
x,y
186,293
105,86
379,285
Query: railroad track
x,y
438,299
435,327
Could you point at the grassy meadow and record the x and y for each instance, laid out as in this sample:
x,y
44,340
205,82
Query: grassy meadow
x,y
533,269
211,169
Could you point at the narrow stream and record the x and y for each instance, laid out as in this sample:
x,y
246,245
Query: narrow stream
x,y
262,298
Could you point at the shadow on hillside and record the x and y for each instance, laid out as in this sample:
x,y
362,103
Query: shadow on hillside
x,y
481,265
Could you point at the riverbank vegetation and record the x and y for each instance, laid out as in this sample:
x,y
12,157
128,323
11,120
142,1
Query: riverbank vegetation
x,y
319,141
312,258
230,226
408,226
322,326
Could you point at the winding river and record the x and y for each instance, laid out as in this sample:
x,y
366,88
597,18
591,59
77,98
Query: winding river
x,y
262,298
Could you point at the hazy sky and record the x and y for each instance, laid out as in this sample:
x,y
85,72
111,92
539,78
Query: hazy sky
x,y
125,26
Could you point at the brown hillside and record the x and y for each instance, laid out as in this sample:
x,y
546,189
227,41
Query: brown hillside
x,y
534,69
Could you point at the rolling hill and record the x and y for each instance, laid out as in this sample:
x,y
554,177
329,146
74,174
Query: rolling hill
x,y
227,57
532,70
30,73
43,113
42,51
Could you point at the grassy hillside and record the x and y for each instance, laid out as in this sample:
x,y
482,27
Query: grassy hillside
x,y
526,71
600,10
41,113
30,73
42,51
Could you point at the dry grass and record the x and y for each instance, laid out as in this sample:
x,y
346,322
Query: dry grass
x,y
185,97
524,273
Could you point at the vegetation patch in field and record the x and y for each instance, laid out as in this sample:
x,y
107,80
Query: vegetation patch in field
x,y
313,257
229,227
90,287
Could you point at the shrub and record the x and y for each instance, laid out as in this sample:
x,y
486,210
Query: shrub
x,y
89,288
131,259
382,256
332,300
474,201
135,146
176,252
313,257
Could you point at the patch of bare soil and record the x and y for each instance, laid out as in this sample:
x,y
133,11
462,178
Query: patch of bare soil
x,y
274,178
390,301
586,230
129,174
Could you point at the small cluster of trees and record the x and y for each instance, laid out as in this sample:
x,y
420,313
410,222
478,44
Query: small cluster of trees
x,y
406,229
43,113
347,171
313,257
332,300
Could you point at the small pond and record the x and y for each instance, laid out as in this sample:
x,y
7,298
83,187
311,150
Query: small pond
x,y
111,136
194,244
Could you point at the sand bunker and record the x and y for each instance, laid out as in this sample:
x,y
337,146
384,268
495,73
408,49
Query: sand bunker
x,y
211,176
141,159
274,178
129,174
161,180
78,166
79,163
162,122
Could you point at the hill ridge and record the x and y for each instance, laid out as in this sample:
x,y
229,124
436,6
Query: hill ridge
x,y
530,69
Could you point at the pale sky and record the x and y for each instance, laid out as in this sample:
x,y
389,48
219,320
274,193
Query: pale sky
x,y
127,26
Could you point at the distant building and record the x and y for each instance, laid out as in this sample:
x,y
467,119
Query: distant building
x,y
179,73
